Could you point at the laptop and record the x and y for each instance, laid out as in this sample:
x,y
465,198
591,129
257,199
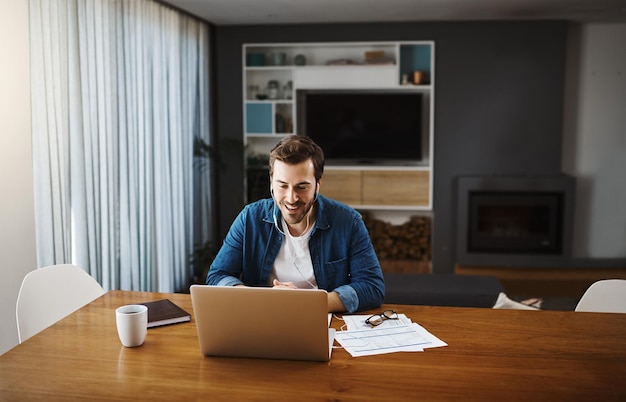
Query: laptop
x,y
262,322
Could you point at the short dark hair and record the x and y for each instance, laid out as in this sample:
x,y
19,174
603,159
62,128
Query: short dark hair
x,y
294,149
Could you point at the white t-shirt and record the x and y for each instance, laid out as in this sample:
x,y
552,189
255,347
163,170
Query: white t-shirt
x,y
293,262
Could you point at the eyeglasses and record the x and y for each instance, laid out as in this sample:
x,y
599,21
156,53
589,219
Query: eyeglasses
x,y
378,319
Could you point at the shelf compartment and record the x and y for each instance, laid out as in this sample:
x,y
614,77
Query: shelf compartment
x,y
259,118
283,118
346,77
416,57
260,77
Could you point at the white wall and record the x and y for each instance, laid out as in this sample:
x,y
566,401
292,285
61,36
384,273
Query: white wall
x,y
594,140
17,217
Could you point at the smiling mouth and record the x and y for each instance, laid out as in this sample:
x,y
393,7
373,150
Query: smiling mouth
x,y
292,207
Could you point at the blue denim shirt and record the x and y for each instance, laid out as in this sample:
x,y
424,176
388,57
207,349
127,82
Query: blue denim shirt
x,y
341,250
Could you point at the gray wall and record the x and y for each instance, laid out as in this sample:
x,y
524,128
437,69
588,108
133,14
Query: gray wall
x,y
594,139
498,102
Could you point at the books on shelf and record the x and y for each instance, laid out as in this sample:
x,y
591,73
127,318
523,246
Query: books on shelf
x,y
165,312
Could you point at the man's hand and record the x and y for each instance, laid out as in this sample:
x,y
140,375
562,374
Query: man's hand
x,y
335,305
285,285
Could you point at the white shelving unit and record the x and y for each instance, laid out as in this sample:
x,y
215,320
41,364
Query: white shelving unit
x,y
359,66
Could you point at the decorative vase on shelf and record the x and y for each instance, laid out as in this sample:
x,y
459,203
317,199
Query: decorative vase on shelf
x,y
253,91
288,90
279,59
272,89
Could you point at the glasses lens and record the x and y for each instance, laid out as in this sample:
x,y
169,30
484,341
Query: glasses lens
x,y
374,320
390,314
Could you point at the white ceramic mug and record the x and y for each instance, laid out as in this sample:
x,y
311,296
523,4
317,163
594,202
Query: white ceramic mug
x,y
132,324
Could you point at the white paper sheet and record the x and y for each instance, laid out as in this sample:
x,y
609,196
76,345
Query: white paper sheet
x,y
391,336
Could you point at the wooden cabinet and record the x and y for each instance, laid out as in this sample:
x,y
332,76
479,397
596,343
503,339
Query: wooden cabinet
x,y
270,113
396,188
378,189
343,185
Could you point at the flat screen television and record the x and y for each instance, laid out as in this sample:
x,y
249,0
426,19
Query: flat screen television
x,y
363,127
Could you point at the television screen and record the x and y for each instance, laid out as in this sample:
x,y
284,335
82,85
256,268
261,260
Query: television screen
x,y
364,128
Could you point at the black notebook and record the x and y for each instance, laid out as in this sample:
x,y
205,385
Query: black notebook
x,y
164,312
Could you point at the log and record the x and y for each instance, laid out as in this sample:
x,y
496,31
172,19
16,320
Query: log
x,y
408,241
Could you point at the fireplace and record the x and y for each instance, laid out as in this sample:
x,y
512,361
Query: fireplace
x,y
514,221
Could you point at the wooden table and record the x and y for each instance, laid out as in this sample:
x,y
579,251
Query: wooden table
x,y
492,355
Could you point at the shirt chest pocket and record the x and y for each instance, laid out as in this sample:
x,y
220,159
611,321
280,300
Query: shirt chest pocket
x,y
337,271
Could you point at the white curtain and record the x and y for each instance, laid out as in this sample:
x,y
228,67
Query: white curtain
x,y
119,92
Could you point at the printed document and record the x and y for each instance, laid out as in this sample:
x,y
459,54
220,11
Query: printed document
x,y
401,335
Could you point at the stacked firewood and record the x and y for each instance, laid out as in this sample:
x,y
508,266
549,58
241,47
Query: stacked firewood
x,y
408,241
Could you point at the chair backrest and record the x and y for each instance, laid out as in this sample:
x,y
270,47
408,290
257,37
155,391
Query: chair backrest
x,y
51,293
606,296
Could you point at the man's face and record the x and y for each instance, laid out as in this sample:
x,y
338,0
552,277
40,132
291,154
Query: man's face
x,y
294,190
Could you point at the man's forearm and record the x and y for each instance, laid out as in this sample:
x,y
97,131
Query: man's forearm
x,y
335,305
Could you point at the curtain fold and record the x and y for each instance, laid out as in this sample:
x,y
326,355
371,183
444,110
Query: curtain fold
x,y
120,91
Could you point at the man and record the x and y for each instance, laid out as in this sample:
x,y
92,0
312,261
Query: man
x,y
301,239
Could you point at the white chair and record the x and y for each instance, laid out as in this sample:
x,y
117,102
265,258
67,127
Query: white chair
x,y
51,293
606,296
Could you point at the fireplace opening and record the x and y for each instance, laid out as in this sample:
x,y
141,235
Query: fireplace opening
x,y
515,222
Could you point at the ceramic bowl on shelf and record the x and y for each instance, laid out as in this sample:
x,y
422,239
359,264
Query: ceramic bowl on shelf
x,y
255,59
299,60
